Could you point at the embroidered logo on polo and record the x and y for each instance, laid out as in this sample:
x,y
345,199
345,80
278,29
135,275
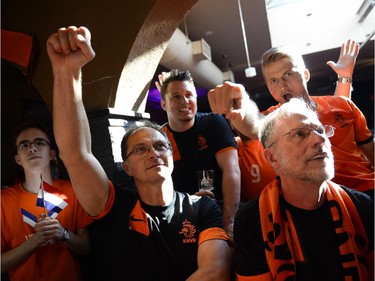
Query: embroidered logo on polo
x,y
188,231
340,120
202,142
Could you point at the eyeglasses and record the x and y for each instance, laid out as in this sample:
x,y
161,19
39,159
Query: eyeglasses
x,y
27,144
143,149
298,135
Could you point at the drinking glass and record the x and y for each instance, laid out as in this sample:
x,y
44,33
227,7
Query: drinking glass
x,y
205,179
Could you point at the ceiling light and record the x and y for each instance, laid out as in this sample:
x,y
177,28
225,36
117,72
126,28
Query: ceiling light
x,y
249,71
365,9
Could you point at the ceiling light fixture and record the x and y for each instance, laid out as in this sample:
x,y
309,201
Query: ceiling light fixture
x,y
249,71
365,9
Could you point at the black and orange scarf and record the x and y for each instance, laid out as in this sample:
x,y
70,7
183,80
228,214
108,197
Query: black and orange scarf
x,y
280,235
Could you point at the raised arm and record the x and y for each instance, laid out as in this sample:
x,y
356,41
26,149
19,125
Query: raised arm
x,y
232,100
69,50
344,67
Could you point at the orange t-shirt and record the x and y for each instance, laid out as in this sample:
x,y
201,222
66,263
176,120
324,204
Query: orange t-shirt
x,y
52,261
256,173
351,168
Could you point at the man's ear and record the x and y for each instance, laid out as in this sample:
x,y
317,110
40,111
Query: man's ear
x,y
271,159
306,74
125,167
17,159
52,155
162,104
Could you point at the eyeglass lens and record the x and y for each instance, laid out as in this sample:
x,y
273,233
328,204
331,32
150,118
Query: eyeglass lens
x,y
27,144
143,149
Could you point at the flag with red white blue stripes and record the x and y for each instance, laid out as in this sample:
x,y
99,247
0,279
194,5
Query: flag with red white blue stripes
x,y
54,199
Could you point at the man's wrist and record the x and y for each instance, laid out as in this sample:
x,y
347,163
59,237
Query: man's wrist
x,y
65,236
344,80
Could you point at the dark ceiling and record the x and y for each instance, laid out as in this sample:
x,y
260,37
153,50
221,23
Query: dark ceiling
x,y
218,23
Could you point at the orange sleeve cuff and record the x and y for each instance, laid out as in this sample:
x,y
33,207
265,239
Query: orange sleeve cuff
x,y
262,277
110,201
212,233
225,149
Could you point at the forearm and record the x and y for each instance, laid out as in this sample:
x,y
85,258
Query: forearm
x,y
15,256
71,127
250,122
79,243
231,188
344,89
73,138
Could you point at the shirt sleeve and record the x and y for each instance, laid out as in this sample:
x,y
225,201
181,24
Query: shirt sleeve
x,y
211,221
109,205
223,134
363,134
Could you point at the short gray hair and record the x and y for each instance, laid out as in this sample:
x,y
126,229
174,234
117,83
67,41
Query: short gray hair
x,y
143,123
293,107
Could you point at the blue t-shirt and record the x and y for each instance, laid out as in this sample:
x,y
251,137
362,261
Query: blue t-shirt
x,y
196,149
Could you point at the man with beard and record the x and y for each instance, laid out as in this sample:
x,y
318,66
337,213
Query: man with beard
x,y
303,226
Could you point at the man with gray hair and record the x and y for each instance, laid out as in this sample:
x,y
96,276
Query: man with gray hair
x,y
303,226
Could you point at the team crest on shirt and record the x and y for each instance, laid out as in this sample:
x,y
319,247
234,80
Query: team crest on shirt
x,y
189,231
202,142
340,120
